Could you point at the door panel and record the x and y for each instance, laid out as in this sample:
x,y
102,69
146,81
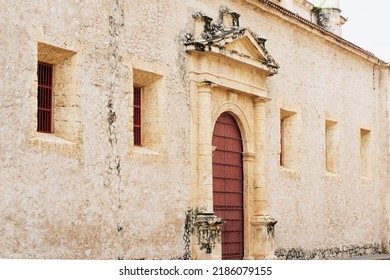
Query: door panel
x,y
228,185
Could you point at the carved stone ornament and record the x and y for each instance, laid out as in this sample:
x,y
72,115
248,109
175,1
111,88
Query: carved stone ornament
x,y
216,36
208,228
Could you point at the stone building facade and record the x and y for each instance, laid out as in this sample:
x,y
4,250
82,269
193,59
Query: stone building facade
x,y
175,128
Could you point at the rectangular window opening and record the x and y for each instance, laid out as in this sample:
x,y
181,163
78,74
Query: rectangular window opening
x,y
137,115
364,152
288,139
331,143
282,135
45,97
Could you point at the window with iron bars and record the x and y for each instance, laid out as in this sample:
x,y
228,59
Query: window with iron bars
x,y
45,97
137,107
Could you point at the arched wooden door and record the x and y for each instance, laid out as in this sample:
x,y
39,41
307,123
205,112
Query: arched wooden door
x,y
228,185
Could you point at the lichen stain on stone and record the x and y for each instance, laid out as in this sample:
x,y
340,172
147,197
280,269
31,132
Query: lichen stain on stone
x,y
114,180
111,116
111,121
344,252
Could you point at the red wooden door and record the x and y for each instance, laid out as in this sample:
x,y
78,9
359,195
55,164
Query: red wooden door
x,y
228,185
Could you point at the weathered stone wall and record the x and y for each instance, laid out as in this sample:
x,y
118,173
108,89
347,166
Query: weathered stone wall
x,y
320,81
97,196
382,80
97,200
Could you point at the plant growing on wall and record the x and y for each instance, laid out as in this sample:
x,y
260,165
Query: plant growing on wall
x,y
318,8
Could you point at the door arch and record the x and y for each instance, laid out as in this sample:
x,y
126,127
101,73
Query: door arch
x,y
228,200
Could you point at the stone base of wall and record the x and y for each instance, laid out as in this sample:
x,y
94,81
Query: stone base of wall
x,y
343,252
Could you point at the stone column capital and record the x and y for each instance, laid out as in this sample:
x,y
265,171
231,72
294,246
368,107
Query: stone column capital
x,y
205,86
260,100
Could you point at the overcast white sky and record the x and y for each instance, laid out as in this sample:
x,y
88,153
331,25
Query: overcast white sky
x,y
368,25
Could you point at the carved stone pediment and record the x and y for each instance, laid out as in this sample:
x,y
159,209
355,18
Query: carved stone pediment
x,y
225,54
241,45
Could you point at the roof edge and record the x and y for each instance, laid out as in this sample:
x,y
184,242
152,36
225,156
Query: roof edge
x,y
341,41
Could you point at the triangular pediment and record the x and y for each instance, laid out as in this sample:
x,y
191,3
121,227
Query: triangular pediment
x,y
241,45
250,46
245,47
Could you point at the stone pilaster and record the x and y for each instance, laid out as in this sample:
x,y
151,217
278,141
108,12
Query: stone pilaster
x,y
261,224
207,226
260,193
205,129
248,159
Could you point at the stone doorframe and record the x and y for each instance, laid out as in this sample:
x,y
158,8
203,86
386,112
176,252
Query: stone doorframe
x,y
236,63
258,225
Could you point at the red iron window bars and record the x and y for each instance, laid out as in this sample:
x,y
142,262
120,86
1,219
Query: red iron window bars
x,y
45,99
137,115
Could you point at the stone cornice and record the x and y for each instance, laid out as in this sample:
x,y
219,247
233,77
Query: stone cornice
x,y
272,8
